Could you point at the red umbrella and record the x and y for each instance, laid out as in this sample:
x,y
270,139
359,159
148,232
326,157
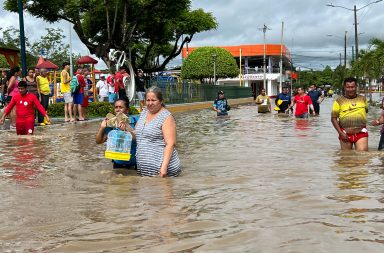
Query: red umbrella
x,y
46,65
86,60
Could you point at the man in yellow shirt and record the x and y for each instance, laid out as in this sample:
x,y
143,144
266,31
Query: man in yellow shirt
x,y
65,89
264,102
349,117
43,91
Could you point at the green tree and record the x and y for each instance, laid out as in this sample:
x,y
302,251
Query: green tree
x,y
200,64
11,39
54,48
326,76
152,32
339,74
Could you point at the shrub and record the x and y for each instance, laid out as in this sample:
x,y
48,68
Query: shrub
x,y
94,109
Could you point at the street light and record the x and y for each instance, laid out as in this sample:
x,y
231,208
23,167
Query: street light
x,y
355,10
214,68
345,46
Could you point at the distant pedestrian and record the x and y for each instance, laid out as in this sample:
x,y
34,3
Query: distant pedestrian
x,y
4,86
44,92
140,88
317,97
78,98
13,82
30,79
119,84
380,121
349,117
302,101
102,89
112,93
283,100
264,102
65,88
220,105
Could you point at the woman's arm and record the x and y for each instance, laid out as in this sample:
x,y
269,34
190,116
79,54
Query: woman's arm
x,y
291,105
38,86
11,83
101,137
169,134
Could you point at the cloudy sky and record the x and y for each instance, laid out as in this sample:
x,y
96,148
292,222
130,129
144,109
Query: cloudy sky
x,y
306,26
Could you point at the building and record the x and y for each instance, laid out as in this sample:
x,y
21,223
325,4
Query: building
x,y
251,58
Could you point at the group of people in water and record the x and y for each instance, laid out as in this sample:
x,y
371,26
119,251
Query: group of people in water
x,y
154,133
348,117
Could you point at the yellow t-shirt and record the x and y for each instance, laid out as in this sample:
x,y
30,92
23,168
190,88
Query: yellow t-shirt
x,y
65,87
352,113
263,107
43,85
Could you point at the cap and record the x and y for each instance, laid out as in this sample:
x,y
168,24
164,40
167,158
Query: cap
x,y
220,92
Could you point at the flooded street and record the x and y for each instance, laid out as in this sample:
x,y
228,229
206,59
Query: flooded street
x,y
251,183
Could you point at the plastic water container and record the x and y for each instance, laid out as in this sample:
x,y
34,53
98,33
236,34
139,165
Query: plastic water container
x,y
118,145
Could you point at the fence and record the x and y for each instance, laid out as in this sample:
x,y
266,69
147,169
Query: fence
x,y
178,92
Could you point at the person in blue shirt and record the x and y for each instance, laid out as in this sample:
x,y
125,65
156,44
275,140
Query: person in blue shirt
x,y
121,105
317,97
283,100
220,105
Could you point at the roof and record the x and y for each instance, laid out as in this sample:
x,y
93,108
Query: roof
x,y
250,50
86,60
46,65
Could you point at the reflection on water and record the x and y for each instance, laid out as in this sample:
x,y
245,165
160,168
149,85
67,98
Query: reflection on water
x,y
251,183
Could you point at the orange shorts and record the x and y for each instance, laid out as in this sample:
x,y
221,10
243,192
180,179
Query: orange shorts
x,y
353,138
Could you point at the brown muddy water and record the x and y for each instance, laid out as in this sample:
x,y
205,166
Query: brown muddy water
x,y
251,183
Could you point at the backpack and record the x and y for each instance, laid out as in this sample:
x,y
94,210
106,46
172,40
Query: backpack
x,y
74,84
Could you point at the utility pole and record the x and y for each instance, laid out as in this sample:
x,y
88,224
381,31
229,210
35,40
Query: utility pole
x,y
353,53
264,29
214,68
281,57
70,51
345,49
355,10
356,35
22,38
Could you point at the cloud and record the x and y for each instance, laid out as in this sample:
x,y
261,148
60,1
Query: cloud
x,y
306,25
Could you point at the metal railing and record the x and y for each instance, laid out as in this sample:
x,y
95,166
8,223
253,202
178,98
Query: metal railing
x,y
178,92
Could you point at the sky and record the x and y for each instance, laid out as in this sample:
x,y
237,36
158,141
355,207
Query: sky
x,y
307,24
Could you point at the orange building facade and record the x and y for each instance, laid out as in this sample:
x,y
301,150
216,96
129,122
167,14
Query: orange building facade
x,y
251,58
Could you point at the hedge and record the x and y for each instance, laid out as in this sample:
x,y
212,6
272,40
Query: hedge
x,y
94,109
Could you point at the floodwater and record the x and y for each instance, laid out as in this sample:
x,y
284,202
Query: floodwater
x,y
251,183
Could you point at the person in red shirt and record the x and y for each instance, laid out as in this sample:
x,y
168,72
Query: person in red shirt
x,y
119,84
302,100
25,110
111,88
78,98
